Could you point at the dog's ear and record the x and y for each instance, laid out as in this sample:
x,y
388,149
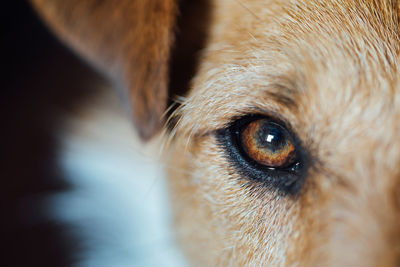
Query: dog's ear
x,y
128,40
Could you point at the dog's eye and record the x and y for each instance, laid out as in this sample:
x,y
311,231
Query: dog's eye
x,y
268,144
264,150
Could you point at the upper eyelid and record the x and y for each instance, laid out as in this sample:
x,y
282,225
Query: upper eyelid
x,y
260,113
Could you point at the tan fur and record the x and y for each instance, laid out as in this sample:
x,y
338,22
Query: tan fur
x,y
127,40
329,69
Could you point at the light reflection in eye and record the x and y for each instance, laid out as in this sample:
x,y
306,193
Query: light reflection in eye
x,y
268,143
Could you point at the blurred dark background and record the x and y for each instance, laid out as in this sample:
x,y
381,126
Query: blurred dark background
x,y
41,80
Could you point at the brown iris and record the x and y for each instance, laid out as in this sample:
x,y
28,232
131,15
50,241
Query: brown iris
x,y
268,144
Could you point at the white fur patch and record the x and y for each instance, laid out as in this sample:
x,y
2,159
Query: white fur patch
x,y
118,205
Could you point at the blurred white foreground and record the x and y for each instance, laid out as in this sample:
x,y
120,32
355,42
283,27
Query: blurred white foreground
x,y
119,202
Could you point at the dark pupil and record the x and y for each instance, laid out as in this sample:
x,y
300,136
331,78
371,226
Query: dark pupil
x,y
271,137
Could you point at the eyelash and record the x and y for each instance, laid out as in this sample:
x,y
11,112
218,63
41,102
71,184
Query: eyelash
x,y
286,181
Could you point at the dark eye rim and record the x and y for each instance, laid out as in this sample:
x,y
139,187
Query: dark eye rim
x,y
287,180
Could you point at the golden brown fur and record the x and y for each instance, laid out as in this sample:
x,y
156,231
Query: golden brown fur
x,y
126,40
329,69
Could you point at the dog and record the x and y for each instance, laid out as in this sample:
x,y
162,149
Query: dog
x,y
283,150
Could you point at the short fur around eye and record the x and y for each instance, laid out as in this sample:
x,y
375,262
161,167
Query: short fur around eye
x,y
286,179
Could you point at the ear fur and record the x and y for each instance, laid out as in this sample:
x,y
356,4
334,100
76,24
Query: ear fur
x,y
128,40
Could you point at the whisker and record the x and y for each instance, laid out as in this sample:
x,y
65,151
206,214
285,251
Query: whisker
x,y
247,9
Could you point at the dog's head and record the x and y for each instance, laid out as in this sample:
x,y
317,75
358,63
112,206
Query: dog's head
x,y
285,150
